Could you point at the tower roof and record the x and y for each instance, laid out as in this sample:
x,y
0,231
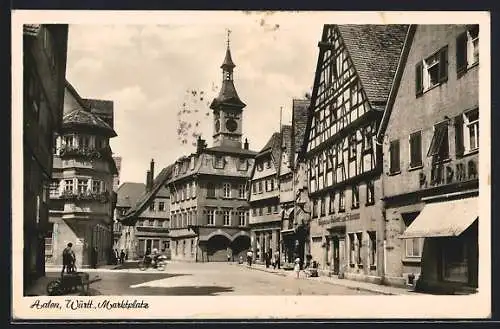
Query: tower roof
x,y
227,94
228,61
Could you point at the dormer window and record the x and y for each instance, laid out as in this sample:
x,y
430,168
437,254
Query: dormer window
x,y
219,162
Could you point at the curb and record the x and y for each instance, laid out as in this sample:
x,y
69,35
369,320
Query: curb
x,y
378,291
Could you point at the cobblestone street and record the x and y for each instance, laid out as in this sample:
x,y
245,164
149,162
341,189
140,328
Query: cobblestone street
x,y
191,279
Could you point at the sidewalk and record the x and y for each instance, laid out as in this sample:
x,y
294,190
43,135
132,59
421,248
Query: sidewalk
x,y
351,284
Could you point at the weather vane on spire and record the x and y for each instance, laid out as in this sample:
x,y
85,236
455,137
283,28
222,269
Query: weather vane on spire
x,y
228,34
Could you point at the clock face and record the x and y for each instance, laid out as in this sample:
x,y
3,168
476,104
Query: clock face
x,y
231,125
217,126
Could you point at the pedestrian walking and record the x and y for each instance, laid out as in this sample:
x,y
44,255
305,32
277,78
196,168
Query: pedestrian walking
x,y
68,259
249,257
116,256
93,257
122,257
296,267
276,259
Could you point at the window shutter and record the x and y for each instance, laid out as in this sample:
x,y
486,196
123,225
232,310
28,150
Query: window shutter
x,y
461,53
459,135
443,64
419,86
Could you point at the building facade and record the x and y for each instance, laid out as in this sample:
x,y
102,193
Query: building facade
x,y
145,225
355,69
294,196
44,70
81,197
127,195
265,213
430,135
116,178
209,204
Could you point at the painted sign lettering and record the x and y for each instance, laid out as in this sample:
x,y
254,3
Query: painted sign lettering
x,y
441,174
338,218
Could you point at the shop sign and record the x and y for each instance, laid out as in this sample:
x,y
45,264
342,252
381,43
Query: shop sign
x,y
442,174
338,218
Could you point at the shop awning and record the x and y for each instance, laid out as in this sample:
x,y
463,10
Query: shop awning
x,y
442,219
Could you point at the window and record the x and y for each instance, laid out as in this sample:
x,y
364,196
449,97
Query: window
x,y
355,197
210,190
431,71
54,188
322,206
261,211
193,190
188,190
269,210
275,208
68,185
152,206
413,247
83,185
254,187
254,212
260,186
471,131
394,157
84,141
268,164
226,187
139,223
370,193
416,149
331,206
227,218
48,244
341,201
272,184
467,49
165,225
161,206
315,208
352,249
241,191
373,249
96,186
352,147
359,240
210,217
218,162
439,148
241,218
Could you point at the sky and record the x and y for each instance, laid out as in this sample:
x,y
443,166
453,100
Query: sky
x,y
161,75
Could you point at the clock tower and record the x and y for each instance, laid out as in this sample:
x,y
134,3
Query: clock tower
x,y
227,108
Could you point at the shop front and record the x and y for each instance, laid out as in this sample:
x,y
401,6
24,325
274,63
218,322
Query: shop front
x,y
450,245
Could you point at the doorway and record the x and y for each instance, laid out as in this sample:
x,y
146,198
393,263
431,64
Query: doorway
x,y
336,255
148,247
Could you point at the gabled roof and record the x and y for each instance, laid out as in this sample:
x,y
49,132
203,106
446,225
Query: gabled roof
x,y
395,84
102,108
158,183
129,193
300,110
273,146
275,138
375,52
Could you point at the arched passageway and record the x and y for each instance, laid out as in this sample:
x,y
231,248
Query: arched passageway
x,y
217,248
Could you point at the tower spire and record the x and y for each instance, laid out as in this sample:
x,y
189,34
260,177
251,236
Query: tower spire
x,y
228,34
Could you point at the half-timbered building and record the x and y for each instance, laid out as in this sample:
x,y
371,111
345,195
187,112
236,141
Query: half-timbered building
x,y
354,73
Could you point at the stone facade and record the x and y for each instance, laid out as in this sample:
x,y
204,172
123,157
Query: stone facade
x,y
81,197
44,69
414,177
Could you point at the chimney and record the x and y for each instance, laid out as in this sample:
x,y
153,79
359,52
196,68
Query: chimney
x,y
148,180
152,170
200,145
245,146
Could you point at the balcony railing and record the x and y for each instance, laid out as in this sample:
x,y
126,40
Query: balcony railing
x,y
102,197
82,152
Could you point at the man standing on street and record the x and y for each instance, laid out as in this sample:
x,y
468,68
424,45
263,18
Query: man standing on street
x,y
68,259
